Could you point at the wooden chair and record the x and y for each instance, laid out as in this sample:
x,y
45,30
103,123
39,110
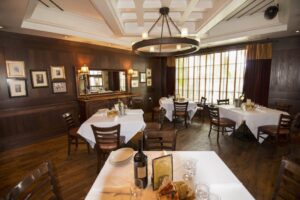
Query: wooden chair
x,y
295,127
160,140
180,110
107,139
154,109
282,107
39,184
288,181
217,123
157,125
223,101
200,107
72,132
282,129
137,103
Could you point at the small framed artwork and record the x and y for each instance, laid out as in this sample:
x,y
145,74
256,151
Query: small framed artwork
x,y
39,78
58,72
162,167
15,69
59,87
17,88
142,77
134,83
135,73
149,82
149,72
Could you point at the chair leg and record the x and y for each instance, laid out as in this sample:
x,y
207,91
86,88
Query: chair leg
x,y
258,134
88,147
76,143
218,134
69,146
174,121
152,115
185,120
209,130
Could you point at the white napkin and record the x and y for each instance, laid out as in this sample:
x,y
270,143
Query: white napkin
x,y
124,189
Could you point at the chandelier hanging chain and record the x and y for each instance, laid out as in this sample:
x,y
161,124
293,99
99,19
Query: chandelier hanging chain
x,y
192,45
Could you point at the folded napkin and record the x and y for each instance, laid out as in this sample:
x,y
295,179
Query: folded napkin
x,y
134,111
124,189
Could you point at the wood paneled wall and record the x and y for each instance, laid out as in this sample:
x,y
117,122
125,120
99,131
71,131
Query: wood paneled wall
x,y
285,73
28,119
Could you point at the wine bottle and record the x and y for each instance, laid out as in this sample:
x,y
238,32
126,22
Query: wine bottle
x,y
140,167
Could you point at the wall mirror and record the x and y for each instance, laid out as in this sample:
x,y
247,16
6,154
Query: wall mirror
x,y
96,81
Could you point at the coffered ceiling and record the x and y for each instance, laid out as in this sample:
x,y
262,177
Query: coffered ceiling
x,y
119,23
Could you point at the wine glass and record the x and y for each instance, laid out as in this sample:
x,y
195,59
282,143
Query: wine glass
x,y
202,192
136,192
190,168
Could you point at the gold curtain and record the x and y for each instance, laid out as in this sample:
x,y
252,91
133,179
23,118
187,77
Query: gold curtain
x,y
259,51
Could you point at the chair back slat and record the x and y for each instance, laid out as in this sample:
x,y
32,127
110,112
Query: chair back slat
x,y
69,120
160,140
39,183
285,123
288,181
107,135
180,106
213,113
223,101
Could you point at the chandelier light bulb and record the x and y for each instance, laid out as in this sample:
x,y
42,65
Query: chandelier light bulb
x,y
145,35
184,32
151,49
178,46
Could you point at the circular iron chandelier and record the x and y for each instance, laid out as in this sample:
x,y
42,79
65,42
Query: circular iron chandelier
x,y
190,45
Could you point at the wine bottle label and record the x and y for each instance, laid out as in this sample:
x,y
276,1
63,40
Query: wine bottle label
x,y
141,172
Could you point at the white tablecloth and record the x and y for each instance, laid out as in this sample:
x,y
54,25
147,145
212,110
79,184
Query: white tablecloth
x,y
131,123
169,106
259,117
211,170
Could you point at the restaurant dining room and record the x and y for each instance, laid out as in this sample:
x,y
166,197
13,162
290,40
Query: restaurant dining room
x,y
150,99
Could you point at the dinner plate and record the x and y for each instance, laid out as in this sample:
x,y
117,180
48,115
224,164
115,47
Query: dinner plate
x,y
121,155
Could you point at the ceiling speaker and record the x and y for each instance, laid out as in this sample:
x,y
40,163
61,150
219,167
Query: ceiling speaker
x,y
271,12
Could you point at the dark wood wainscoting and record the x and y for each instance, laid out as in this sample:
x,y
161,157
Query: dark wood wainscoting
x,y
24,120
285,73
32,124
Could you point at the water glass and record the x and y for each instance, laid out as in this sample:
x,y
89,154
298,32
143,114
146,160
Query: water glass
x,y
190,169
202,192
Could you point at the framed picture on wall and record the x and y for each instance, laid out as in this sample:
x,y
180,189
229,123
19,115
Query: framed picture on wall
x,y
134,83
149,72
17,88
149,82
59,87
135,73
39,78
142,77
58,72
15,69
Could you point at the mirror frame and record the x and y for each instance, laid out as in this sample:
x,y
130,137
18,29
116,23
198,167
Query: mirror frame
x,y
99,94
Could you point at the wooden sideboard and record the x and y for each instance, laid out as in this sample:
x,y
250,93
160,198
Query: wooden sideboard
x,y
90,104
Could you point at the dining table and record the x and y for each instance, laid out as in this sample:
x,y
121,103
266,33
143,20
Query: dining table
x,y
260,116
209,170
168,104
131,123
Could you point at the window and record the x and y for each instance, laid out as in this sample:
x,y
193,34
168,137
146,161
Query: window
x,y
215,76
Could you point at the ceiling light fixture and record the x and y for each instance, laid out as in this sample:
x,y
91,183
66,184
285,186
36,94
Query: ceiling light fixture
x,y
1,27
297,31
188,45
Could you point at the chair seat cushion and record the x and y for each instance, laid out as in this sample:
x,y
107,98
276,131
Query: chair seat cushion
x,y
152,125
156,109
180,113
272,130
225,122
73,131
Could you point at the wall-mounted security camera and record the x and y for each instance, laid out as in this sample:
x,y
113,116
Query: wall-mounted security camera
x,y
271,12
